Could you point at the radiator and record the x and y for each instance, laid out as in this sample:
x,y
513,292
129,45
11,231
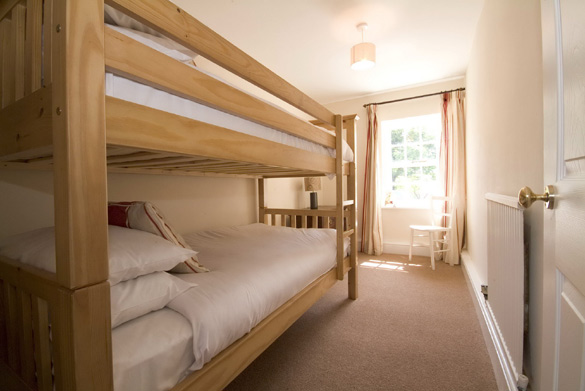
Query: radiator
x,y
506,276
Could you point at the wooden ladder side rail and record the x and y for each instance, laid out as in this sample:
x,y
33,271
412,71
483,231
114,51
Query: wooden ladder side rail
x,y
351,134
173,22
45,327
339,197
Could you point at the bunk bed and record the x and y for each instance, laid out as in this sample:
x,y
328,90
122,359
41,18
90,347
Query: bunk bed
x,y
55,328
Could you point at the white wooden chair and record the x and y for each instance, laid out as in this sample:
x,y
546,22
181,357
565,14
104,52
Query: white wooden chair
x,y
438,232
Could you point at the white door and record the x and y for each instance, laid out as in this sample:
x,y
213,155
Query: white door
x,y
563,36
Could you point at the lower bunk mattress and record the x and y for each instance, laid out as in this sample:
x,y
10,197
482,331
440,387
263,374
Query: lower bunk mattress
x,y
254,270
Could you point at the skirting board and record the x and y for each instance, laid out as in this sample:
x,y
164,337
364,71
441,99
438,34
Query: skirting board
x,y
490,324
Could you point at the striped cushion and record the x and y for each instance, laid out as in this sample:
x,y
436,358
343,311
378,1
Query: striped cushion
x,y
146,217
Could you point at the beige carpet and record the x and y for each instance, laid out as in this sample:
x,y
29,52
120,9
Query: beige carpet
x,y
412,328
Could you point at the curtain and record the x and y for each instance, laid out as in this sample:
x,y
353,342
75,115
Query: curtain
x,y
452,168
372,212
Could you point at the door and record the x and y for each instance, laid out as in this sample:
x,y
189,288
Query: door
x,y
563,36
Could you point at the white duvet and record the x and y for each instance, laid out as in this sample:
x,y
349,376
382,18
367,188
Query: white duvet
x,y
260,269
254,270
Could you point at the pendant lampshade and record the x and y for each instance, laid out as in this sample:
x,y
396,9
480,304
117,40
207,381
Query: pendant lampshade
x,y
363,55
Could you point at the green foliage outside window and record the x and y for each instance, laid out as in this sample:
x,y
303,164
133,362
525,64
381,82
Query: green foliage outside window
x,y
413,135
411,151
397,136
397,154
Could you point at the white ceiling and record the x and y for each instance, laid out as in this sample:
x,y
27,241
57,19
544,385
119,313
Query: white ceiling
x,y
308,42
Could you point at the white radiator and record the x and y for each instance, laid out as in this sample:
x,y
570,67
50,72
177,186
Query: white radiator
x,y
506,300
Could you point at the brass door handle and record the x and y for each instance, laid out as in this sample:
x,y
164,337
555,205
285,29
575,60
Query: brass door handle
x,y
526,197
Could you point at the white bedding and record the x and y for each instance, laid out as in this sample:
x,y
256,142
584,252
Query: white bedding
x,y
260,269
152,352
122,88
254,270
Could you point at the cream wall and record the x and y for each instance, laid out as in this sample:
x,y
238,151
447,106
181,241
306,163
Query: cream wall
x,y
395,221
286,193
505,134
190,203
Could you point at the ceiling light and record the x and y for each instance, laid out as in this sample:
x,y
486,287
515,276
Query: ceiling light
x,y
363,55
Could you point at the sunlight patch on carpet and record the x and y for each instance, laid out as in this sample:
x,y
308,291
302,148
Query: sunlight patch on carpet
x,y
388,265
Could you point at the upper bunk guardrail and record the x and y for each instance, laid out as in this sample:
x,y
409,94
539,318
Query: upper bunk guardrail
x,y
173,22
125,56
21,24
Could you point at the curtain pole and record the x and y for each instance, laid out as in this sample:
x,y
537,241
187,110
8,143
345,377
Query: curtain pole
x,y
413,97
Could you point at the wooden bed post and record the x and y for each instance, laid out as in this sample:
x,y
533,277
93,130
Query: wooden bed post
x,y
352,219
261,202
339,194
82,328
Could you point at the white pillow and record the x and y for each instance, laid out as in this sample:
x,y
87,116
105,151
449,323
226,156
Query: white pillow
x,y
146,35
144,216
132,253
162,45
139,296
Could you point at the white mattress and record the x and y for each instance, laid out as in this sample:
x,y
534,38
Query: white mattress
x,y
254,270
152,352
122,88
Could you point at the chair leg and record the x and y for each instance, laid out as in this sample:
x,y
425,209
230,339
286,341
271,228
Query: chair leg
x,y
432,247
411,243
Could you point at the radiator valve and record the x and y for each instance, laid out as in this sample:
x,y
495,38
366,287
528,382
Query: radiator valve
x,y
522,382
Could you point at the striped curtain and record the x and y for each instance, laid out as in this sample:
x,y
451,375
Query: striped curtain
x,y
452,167
372,212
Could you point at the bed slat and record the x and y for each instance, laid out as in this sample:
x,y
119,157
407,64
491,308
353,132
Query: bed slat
x,y
42,345
12,326
8,61
19,33
26,335
33,55
3,323
47,58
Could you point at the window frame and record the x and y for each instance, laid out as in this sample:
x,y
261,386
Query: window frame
x,y
389,164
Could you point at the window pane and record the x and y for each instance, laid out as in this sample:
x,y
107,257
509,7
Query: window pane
x,y
413,173
413,135
397,172
397,154
415,191
430,171
412,153
429,151
428,135
397,136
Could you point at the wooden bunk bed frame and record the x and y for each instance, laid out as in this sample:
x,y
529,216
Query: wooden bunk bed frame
x,y
55,329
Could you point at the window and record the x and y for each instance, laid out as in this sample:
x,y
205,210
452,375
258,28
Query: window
x,y
410,160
